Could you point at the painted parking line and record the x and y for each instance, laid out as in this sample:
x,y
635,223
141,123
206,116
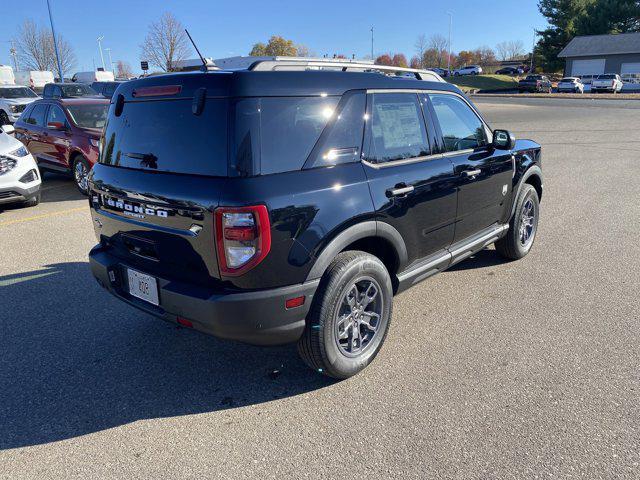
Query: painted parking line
x,y
44,215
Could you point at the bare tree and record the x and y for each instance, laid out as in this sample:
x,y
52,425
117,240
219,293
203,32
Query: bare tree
x,y
421,46
36,50
124,69
510,50
165,43
439,44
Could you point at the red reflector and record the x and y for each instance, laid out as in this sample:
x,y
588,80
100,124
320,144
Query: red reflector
x,y
184,322
157,91
240,234
294,302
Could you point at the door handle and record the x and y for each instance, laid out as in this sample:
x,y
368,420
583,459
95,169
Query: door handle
x,y
396,192
471,173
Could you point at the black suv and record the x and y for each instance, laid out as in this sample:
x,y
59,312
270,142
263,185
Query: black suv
x,y
68,90
291,206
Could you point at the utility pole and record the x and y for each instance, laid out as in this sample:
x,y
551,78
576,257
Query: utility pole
x,y
55,42
372,44
99,39
449,53
533,49
14,53
110,61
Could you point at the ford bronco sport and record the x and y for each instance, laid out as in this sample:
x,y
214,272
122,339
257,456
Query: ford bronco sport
x,y
277,204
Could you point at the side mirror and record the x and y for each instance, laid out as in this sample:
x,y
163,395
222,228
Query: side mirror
x,y
503,140
8,129
55,126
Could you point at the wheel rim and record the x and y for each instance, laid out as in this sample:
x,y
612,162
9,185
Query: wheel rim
x,y
528,223
358,317
81,174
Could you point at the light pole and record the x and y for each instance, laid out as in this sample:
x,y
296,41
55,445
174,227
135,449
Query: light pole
x,y
55,42
14,54
99,39
533,49
372,44
449,53
110,61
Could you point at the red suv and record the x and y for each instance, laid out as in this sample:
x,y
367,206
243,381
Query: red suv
x,y
63,134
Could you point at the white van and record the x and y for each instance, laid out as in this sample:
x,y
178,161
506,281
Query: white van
x,y
35,79
6,75
90,77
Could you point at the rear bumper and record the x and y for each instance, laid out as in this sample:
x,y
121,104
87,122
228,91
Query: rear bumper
x,y
257,317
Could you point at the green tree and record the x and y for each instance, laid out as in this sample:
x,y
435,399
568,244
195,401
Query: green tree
x,y
611,16
277,46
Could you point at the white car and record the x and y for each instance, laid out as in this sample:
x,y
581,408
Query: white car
x,y
468,70
609,82
19,174
13,100
35,79
571,85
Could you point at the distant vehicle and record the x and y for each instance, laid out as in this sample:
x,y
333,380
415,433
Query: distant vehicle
x,y
510,71
468,70
440,71
64,134
570,84
19,174
68,90
13,100
6,75
587,79
609,82
35,79
90,77
106,89
535,83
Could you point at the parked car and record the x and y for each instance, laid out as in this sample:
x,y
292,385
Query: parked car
x,y
106,89
587,79
440,71
468,70
63,134
510,71
609,82
93,76
19,174
36,80
13,101
6,75
68,90
535,83
268,212
570,84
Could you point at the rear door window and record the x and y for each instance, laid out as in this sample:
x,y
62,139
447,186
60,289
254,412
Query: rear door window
x,y
37,115
396,130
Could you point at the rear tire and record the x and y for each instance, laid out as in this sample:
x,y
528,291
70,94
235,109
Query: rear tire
x,y
522,227
80,170
349,317
4,118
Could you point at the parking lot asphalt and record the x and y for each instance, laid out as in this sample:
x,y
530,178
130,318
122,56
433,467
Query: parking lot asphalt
x,y
527,369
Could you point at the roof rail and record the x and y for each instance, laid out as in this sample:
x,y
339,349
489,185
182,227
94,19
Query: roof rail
x,y
305,63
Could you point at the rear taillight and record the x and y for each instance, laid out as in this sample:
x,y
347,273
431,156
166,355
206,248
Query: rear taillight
x,y
243,238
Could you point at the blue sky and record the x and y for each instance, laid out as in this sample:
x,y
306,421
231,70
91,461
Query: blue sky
x,y
231,27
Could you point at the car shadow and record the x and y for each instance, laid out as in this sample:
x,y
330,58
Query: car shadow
x,y
58,187
487,257
76,360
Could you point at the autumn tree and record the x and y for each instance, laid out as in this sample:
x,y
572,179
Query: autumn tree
x,y
399,60
36,50
384,59
416,62
166,43
278,46
421,46
124,69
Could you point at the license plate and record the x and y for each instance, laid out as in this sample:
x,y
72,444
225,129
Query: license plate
x,y
143,286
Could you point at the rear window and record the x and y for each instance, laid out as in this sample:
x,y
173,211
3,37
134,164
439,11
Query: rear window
x,y
166,136
606,77
568,80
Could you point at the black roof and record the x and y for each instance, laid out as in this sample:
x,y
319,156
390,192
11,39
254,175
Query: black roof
x,y
245,83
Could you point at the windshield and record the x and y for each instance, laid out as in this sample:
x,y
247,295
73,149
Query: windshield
x,y
17,92
88,116
606,77
79,90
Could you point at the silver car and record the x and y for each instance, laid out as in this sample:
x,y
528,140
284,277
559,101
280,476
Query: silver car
x,y
571,85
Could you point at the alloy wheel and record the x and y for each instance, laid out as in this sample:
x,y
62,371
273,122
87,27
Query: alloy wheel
x,y
358,317
528,223
81,173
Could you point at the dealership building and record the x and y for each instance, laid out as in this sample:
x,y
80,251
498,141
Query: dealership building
x,y
598,54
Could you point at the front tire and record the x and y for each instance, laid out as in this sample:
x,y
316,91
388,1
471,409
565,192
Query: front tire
x,y
81,169
522,227
32,202
349,317
4,118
